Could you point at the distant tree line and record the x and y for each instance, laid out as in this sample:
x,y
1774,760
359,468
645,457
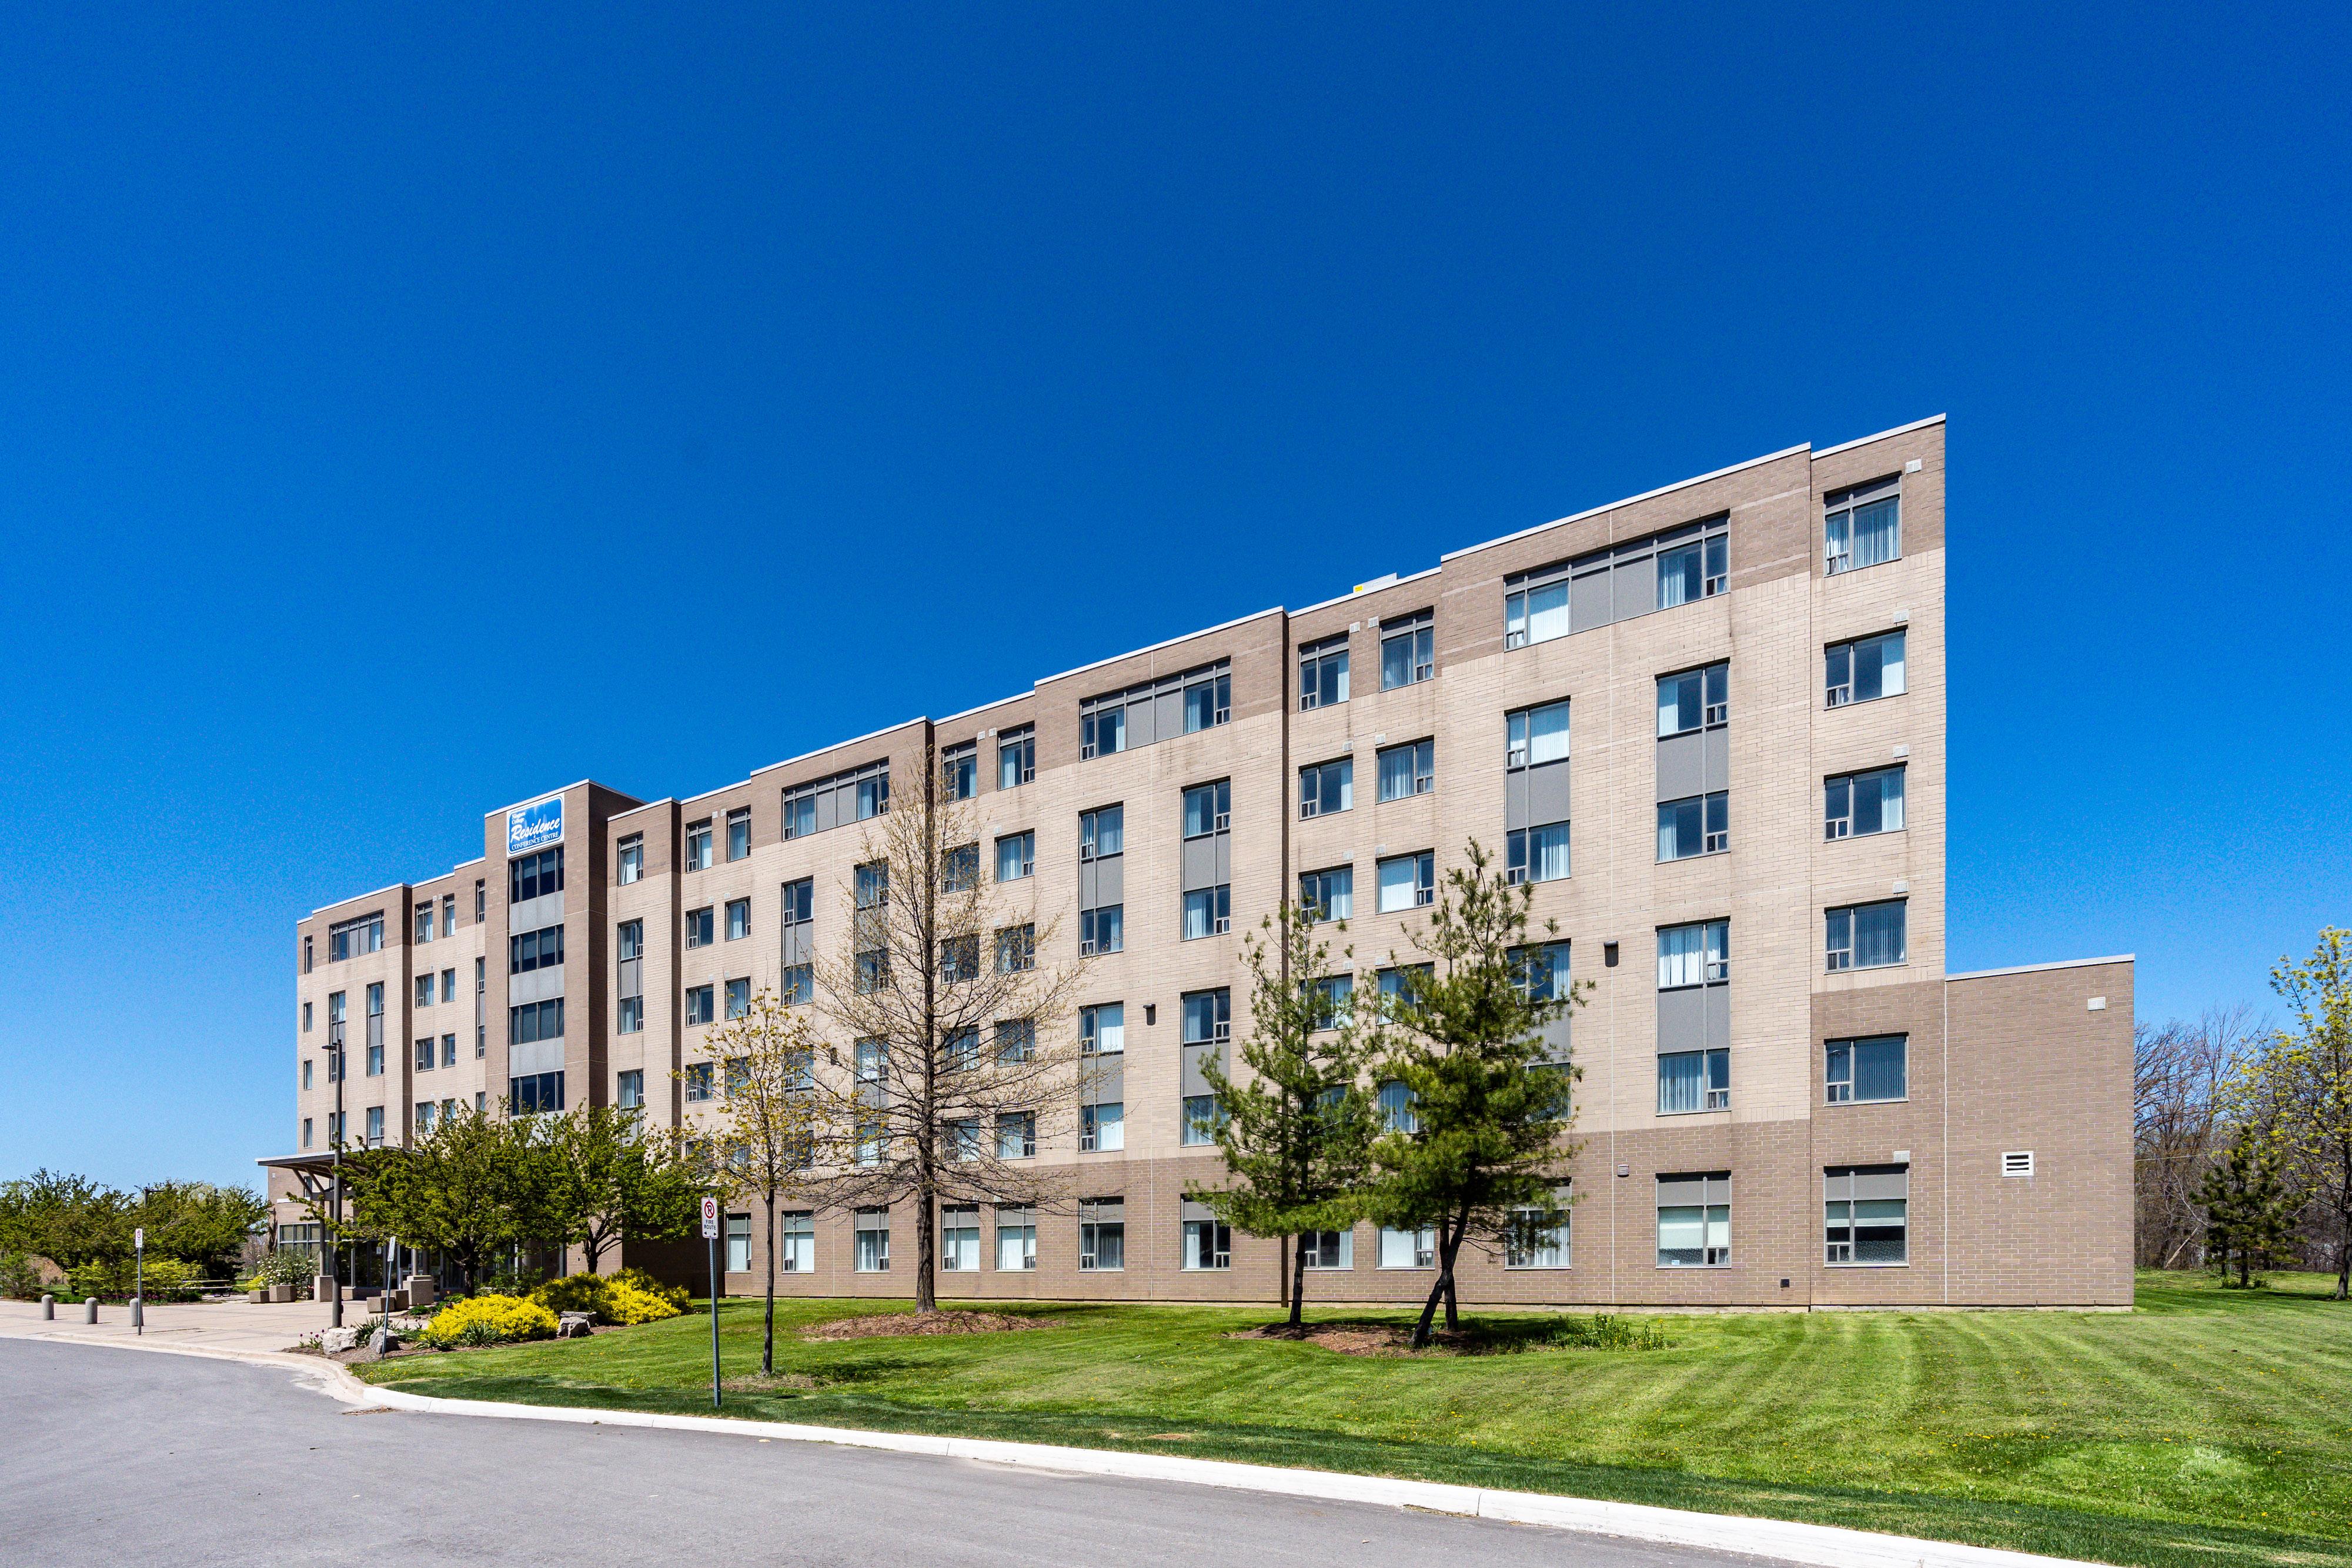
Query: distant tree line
x,y
74,1221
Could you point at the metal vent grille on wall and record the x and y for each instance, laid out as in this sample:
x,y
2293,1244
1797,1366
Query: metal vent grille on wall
x,y
2017,1163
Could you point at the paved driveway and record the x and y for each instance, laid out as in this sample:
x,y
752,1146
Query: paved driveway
x,y
118,1456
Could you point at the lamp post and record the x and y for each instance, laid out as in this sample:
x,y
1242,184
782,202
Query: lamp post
x,y
333,1248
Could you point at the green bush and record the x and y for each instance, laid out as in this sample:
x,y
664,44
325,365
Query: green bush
x,y
490,1320
19,1277
106,1282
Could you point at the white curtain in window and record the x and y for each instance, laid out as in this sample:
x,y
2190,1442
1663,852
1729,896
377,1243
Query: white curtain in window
x,y
1680,957
1876,533
1547,852
1548,733
1878,930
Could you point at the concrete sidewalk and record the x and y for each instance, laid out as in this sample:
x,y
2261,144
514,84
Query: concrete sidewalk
x,y
229,1327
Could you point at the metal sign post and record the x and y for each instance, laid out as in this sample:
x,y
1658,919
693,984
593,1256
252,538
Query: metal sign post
x,y
710,1238
139,1287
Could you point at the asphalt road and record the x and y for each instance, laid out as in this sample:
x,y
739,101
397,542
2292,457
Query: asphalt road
x,y
129,1458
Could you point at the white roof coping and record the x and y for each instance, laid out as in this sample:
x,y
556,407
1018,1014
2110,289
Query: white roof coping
x,y
1866,440
357,898
1628,501
1380,584
1169,642
647,806
983,708
815,751
2036,968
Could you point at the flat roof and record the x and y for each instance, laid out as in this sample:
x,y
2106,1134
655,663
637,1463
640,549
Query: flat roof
x,y
2036,968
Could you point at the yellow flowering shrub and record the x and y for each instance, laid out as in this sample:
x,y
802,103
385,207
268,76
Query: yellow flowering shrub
x,y
490,1320
613,1298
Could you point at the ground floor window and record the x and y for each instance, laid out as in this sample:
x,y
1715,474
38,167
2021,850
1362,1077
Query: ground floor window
x,y
1208,1240
1694,1221
796,1242
1328,1248
960,1238
1102,1233
1694,1081
1867,1218
1536,1241
739,1243
873,1240
1408,1248
1016,1239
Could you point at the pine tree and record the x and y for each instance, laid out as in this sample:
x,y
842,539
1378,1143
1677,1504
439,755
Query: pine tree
x,y
1297,1133
2248,1214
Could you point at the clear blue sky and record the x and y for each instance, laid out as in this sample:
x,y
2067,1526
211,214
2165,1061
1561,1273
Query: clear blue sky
x,y
341,350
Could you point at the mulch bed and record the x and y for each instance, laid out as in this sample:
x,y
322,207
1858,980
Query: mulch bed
x,y
1362,1339
902,1324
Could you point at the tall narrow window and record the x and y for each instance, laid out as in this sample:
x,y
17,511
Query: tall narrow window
x,y
1863,526
698,845
739,832
1408,650
959,771
1016,758
631,858
1207,1026
739,1243
1016,856
1102,880
1536,793
1323,674
1102,1234
1208,859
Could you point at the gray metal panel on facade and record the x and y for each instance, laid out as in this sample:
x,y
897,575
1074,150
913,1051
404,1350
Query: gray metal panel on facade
x,y
1681,1189
1198,1210
1194,1083
1515,800
1556,1037
1200,862
1089,880
1139,731
535,913
1110,881
1103,1210
538,986
633,977
800,942
1719,758
1224,858
1633,587
1104,1079
536,1056
1547,790
1882,1184
1167,714
1682,1019
845,801
824,818
1719,1016
1682,765
1588,600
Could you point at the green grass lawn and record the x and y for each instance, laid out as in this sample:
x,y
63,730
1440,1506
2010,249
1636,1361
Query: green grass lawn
x,y
2208,1427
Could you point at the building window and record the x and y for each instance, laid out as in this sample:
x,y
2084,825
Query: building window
x,y
306,1072
1862,526
481,1008
375,1126
1692,1081
1016,1239
1157,710
1867,936
796,1242
449,984
424,921
481,900
698,845
535,876
1016,1134
1536,854
540,949
1408,650
702,931
534,1092
1617,583
1535,1242
960,770
1866,1215
1208,1240
958,958
306,1132
1102,1234
1536,736
738,919
1408,770
629,1089
1328,1248
535,1021
1017,949
1327,786
1695,699
873,1242
1016,758
1696,955
631,860
422,1049
1396,1108
739,1243
1207,1025
306,954
1102,1127
375,1030
1535,793
1700,825
1323,674
1016,1040
1102,1030
701,1004
1408,1248
1334,998
1328,894
1866,669
960,868
629,943
1208,823
959,1237
1693,569
1859,1071
1102,880
1856,805
448,1050
739,997
1695,1221
855,796
423,991
1016,856
1408,881
355,939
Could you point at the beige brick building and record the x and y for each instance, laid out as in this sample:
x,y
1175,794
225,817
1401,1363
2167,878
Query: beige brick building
x,y
1707,723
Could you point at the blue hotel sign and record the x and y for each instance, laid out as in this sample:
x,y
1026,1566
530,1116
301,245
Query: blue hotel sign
x,y
535,826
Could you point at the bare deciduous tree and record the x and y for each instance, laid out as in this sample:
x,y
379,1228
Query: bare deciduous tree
x,y
958,1068
2180,1076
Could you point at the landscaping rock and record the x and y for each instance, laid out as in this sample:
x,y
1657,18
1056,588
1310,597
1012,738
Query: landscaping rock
x,y
573,1325
341,1340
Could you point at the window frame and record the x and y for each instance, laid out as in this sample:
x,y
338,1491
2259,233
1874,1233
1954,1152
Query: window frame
x,y
1419,628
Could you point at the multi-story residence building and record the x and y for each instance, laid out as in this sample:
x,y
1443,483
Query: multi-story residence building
x,y
1706,724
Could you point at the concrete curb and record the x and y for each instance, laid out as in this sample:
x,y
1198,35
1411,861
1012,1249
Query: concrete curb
x,y
1814,1545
